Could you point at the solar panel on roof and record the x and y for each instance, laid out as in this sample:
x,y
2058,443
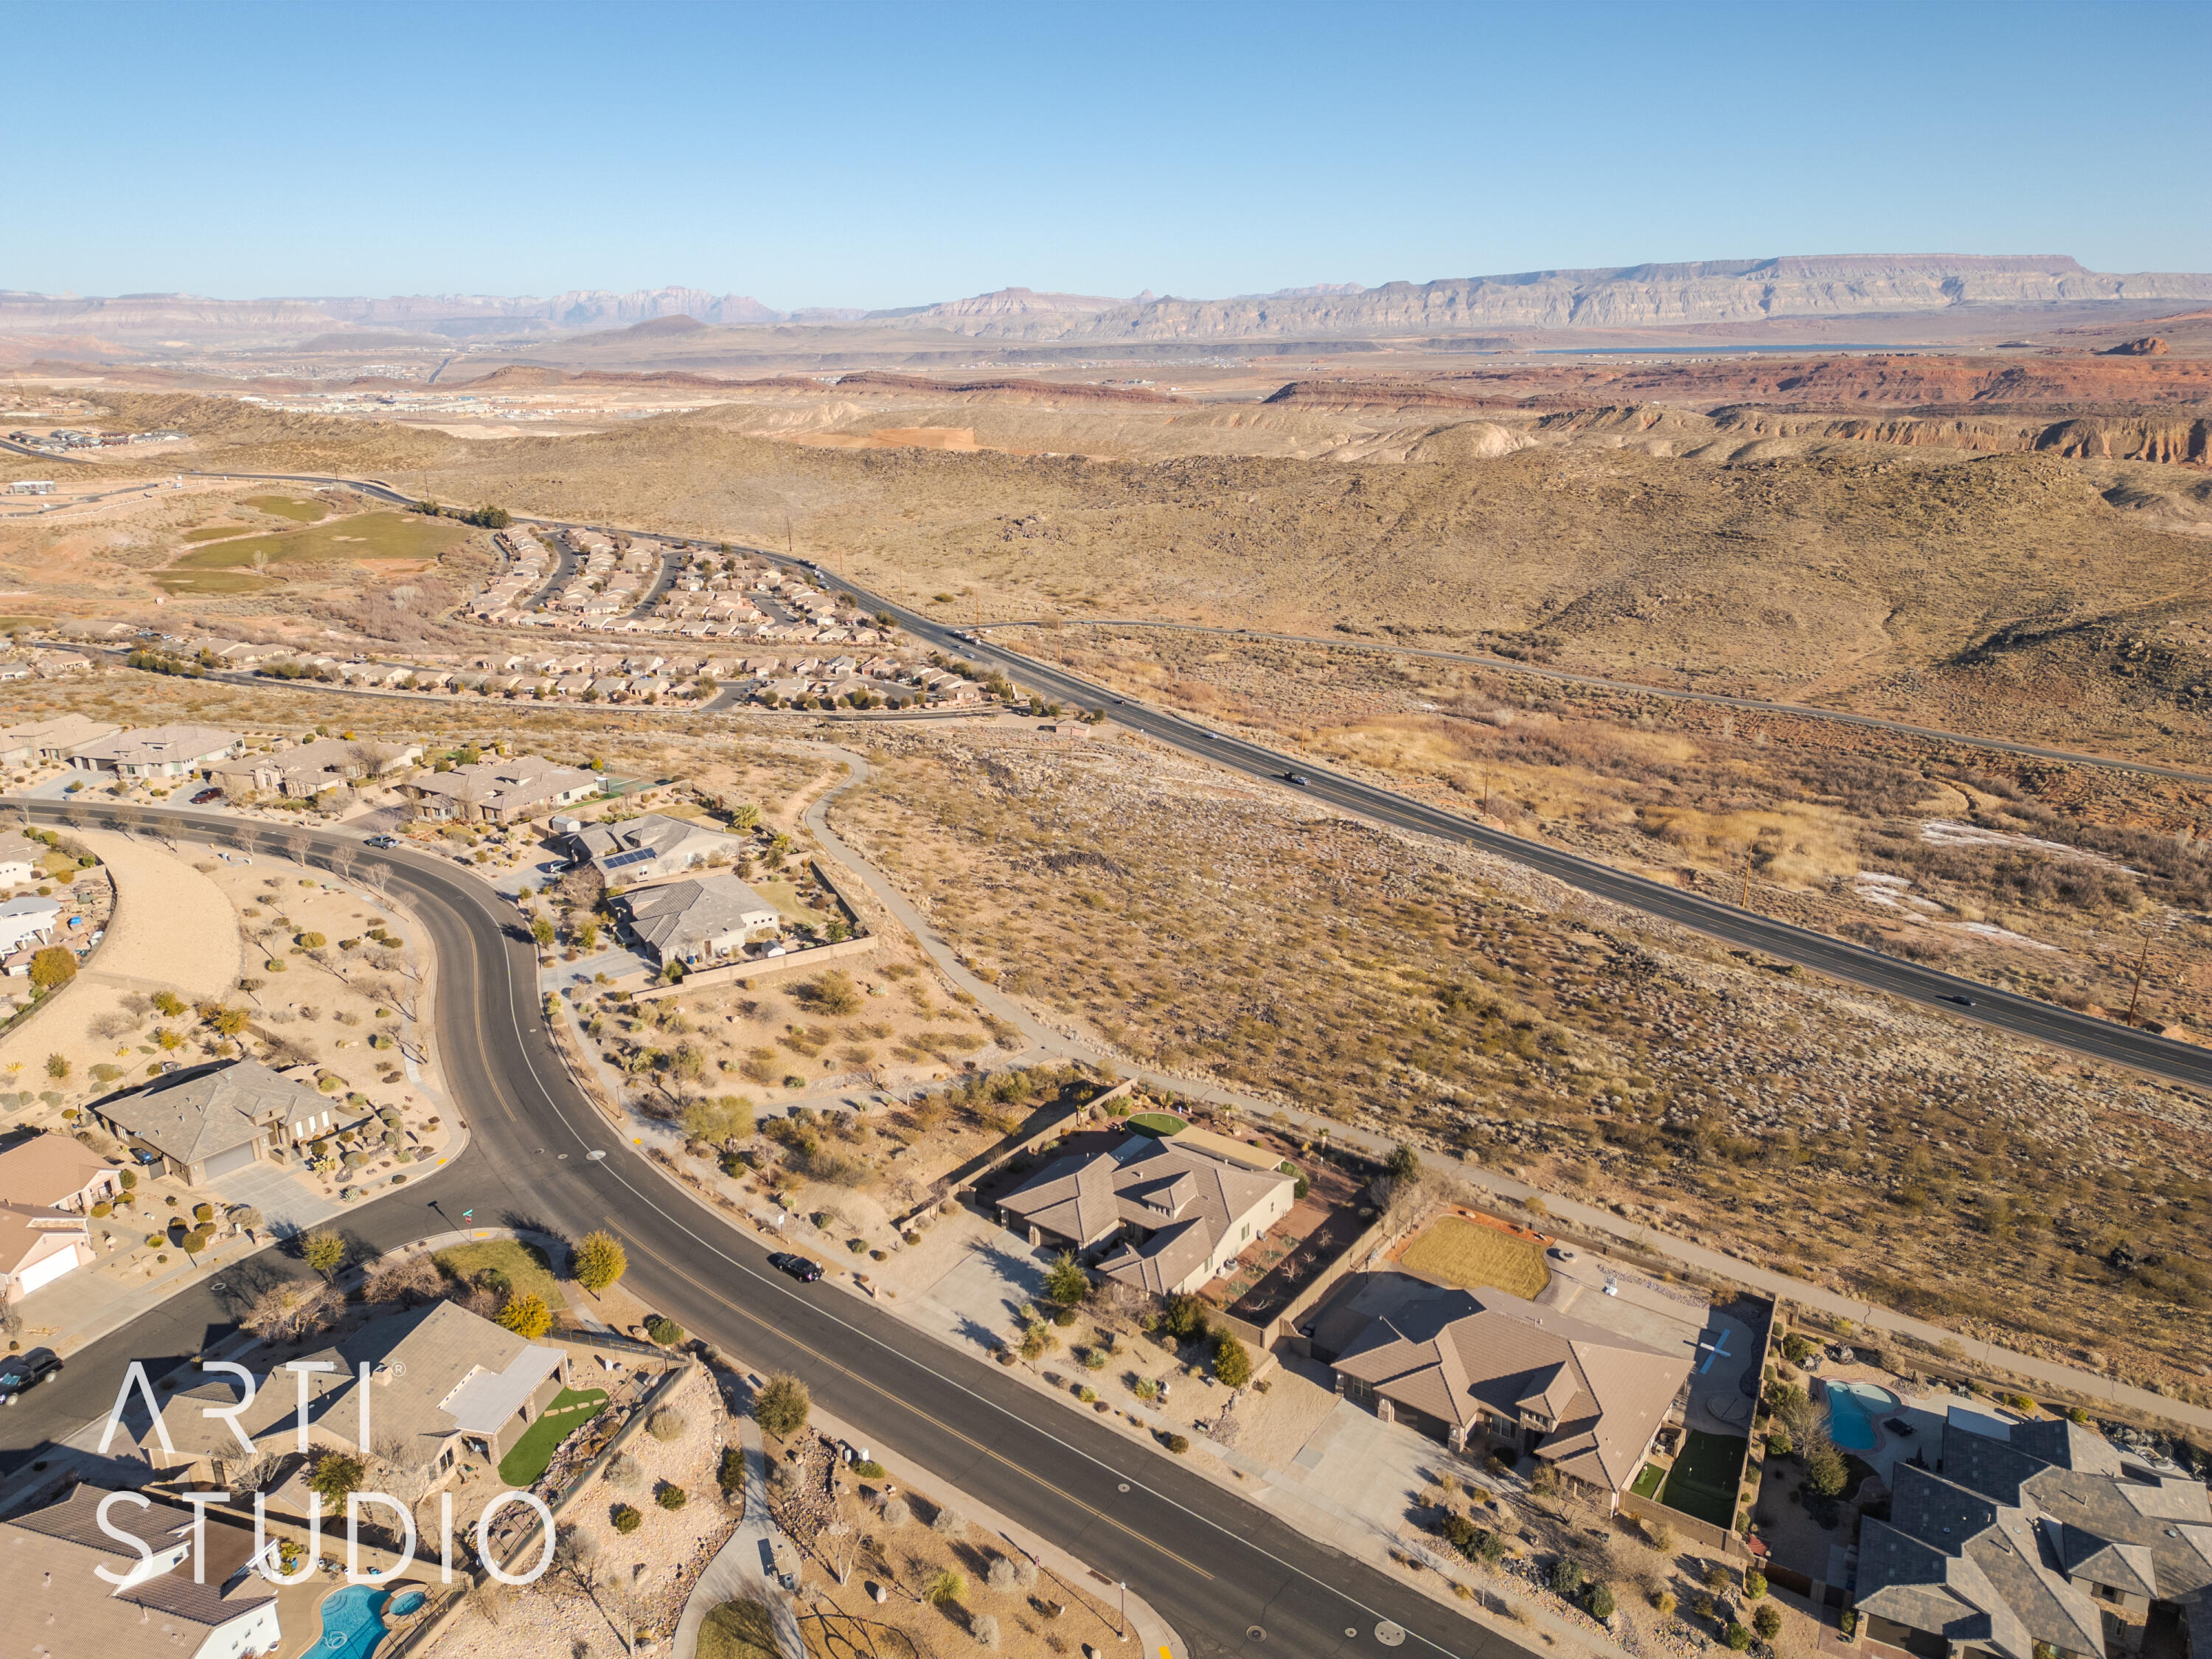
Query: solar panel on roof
x,y
618,861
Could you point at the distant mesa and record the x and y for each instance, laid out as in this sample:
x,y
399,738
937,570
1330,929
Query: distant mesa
x,y
2149,346
656,327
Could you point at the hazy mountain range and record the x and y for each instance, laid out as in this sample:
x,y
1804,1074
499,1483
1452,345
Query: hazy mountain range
x,y
1703,293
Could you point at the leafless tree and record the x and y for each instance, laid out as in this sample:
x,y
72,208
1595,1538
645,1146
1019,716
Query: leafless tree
x,y
289,1310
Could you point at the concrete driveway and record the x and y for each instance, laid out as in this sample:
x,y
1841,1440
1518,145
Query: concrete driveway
x,y
287,1202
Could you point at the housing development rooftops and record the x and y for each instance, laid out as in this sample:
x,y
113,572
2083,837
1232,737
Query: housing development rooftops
x,y
2009,1547
684,917
159,745
656,844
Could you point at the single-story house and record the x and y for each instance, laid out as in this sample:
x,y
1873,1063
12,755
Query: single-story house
x,y
1460,1364
57,1172
52,740
443,1384
697,922
303,773
203,1124
38,1244
2031,1538
648,848
157,1603
1162,1218
499,790
156,751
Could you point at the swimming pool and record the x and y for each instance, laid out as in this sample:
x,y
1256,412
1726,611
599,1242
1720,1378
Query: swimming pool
x,y
1852,1408
406,1601
353,1623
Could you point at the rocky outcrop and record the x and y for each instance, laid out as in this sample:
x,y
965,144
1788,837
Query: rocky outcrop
x,y
2149,346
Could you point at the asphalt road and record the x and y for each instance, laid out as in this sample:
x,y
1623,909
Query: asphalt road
x,y
1215,1567
1965,999
1673,694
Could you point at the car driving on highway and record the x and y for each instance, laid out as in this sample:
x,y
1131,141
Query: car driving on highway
x,y
1298,778
799,1267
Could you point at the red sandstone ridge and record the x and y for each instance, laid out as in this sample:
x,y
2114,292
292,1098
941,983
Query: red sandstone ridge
x,y
2149,346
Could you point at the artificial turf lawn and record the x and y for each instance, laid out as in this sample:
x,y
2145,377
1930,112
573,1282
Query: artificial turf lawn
x,y
526,1459
364,536
1703,1481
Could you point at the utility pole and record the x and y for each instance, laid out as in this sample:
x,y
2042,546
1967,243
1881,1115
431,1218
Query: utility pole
x,y
2136,995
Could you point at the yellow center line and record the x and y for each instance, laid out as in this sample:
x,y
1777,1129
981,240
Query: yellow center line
x,y
908,1406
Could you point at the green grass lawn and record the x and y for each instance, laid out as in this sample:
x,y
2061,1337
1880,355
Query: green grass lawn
x,y
1158,1123
525,1265
1647,1483
784,895
1462,1252
214,532
526,1459
1702,1482
289,507
365,536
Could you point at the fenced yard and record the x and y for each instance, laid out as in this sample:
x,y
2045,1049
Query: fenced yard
x,y
1457,1250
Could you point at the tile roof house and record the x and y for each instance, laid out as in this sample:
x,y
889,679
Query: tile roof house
x,y
2051,1538
1456,1364
57,1603
1153,1214
155,751
303,773
499,790
648,848
441,1382
207,1122
53,739
697,921
56,1172
38,1243
29,919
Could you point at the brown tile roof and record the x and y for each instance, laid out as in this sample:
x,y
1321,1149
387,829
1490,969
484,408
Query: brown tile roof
x,y
57,1604
199,1115
1455,1354
47,1169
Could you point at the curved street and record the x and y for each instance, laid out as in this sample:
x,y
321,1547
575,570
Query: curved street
x,y
1215,1567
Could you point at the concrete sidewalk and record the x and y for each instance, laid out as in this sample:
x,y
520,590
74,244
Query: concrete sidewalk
x,y
744,1566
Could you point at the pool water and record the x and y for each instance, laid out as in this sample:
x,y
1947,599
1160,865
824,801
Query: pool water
x,y
1852,1409
353,1623
406,1601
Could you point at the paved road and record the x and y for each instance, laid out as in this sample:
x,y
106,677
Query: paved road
x,y
1676,694
1214,1566
1965,998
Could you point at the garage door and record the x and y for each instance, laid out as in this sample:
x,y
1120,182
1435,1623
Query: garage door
x,y
45,1272
236,1159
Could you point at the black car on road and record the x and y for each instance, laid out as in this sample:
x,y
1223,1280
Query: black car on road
x,y
799,1267
20,1371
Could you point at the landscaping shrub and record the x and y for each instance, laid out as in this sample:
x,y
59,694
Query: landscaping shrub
x,y
1663,1602
946,1587
985,1629
1600,1603
1567,1578
622,1472
627,1520
1754,1584
1738,1637
730,1474
949,1523
1766,1620
897,1514
671,1498
1232,1364
666,1424
664,1330
868,1469
526,1316
1176,1443
781,1405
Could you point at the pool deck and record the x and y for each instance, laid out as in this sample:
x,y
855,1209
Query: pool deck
x,y
1927,1412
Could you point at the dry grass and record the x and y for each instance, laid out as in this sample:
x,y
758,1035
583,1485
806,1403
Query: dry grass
x,y
1467,1253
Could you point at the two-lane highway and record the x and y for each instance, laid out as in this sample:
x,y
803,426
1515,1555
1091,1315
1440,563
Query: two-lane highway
x,y
1215,1566
1947,993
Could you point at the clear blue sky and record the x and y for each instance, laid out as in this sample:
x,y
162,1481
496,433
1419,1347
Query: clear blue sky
x,y
863,155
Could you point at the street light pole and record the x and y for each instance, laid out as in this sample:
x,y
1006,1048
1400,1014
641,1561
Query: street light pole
x,y
1124,1634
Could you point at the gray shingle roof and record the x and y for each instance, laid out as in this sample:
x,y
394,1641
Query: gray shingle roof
x,y
2009,1536
677,919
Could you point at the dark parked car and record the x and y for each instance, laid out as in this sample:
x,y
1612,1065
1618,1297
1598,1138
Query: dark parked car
x,y
27,1370
205,796
798,1267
